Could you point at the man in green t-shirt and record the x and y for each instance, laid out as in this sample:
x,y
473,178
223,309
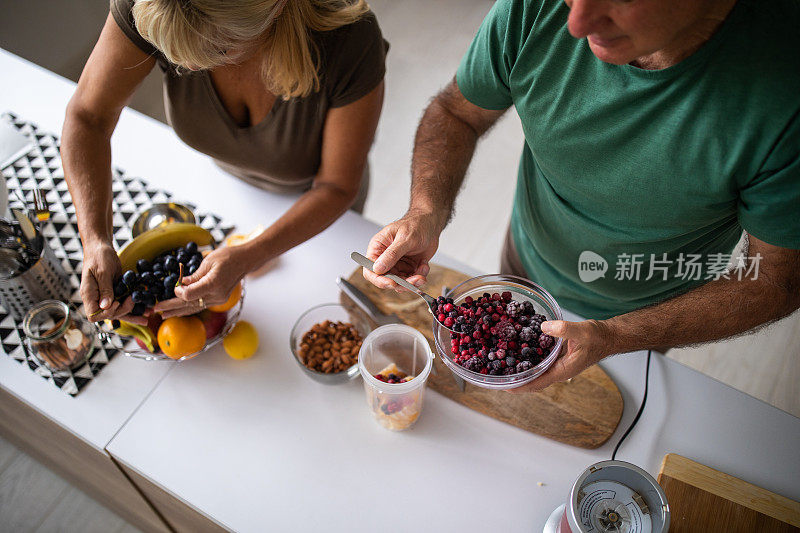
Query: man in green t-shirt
x,y
655,133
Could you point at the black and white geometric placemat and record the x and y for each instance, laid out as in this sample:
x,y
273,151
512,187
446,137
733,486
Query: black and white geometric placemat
x,y
132,195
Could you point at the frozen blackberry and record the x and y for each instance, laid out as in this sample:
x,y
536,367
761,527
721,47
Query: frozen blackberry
x,y
522,366
474,364
527,334
510,361
514,308
546,341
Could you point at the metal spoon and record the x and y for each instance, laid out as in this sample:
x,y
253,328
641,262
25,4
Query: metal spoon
x,y
430,300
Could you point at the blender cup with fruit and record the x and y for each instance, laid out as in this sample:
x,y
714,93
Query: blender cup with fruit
x,y
395,362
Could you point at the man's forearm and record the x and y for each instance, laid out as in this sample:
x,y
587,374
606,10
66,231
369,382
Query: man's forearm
x,y
443,149
714,311
86,154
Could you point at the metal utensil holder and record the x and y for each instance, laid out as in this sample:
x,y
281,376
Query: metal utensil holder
x,y
45,280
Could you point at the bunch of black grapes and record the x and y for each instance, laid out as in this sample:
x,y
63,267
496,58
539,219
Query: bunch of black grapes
x,y
156,281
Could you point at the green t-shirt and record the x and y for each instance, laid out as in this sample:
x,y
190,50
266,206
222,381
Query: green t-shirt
x,y
632,164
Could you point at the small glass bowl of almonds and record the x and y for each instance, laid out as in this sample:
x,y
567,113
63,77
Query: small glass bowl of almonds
x,y
325,342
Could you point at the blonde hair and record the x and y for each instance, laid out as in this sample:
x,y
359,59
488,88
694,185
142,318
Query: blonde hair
x,y
199,34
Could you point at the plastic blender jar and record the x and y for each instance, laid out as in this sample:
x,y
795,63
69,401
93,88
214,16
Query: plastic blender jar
x,y
396,406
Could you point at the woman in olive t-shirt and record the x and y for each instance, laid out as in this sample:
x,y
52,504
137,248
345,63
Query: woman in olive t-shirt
x,y
284,94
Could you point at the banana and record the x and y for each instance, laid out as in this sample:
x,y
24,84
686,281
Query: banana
x,y
143,333
161,239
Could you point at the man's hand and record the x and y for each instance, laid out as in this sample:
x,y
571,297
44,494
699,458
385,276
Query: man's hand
x,y
404,248
586,343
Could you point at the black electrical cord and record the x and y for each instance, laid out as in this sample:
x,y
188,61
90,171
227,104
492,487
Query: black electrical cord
x,y
641,407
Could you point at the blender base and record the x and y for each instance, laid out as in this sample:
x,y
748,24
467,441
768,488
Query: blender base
x,y
551,526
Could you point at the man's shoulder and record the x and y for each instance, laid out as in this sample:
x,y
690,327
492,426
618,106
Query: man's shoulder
x,y
525,21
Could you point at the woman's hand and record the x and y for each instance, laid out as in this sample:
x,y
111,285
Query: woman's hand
x,y
586,343
101,268
404,248
213,282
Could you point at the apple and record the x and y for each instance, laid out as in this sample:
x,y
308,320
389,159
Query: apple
x,y
143,346
153,322
214,322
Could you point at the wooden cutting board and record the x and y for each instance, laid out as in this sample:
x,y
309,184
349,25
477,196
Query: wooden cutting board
x,y
703,499
584,412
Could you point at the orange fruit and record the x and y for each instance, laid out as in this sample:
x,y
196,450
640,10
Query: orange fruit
x,y
181,335
240,238
230,302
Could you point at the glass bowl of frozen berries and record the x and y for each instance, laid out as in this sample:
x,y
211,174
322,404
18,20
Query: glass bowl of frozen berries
x,y
497,341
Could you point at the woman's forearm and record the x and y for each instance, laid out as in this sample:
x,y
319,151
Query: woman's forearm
x,y
86,156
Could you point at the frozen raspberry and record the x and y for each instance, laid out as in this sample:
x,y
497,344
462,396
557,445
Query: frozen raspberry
x,y
506,330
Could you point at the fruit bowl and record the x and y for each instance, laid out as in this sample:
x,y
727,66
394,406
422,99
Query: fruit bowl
x,y
131,348
522,290
320,313
148,246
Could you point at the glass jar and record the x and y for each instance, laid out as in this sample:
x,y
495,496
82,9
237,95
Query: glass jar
x,y
58,337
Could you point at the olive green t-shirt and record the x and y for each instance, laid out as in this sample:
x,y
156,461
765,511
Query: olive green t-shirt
x,y
622,165
283,151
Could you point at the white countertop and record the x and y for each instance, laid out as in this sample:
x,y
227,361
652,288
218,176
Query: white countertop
x,y
103,406
257,445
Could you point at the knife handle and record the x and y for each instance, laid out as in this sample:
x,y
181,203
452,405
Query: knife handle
x,y
360,299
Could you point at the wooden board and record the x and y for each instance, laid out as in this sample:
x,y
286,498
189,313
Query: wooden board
x,y
703,499
584,412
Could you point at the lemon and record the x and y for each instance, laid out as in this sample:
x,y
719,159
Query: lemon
x,y
242,341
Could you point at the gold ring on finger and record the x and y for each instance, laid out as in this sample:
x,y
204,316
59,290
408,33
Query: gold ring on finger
x,y
202,303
